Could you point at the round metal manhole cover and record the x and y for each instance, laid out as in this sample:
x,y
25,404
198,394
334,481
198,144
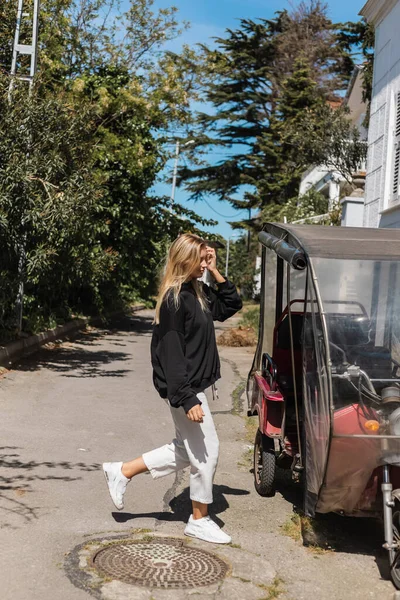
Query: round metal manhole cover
x,y
159,563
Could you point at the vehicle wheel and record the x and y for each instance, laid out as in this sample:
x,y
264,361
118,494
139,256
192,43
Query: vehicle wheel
x,y
394,555
264,467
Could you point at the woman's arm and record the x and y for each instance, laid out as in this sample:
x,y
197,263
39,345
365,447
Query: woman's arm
x,y
225,301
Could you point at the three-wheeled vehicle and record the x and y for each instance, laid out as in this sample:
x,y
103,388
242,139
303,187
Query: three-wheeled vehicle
x,y
325,380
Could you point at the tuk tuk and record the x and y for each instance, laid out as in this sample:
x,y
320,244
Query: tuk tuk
x,y
325,380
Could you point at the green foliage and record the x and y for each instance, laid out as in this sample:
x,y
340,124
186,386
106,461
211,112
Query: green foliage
x,y
327,137
242,263
251,318
49,196
79,224
309,205
79,157
362,36
274,86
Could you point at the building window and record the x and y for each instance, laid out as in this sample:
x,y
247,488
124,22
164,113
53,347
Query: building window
x,y
396,152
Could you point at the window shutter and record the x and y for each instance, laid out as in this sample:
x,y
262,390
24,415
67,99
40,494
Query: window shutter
x,y
396,170
396,163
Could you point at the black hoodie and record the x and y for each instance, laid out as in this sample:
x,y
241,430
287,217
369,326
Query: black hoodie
x,y
184,351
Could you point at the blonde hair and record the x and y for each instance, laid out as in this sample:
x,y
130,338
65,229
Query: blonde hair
x,y
183,258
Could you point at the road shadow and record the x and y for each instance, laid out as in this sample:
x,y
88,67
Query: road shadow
x,y
137,323
17,480
181,507
77,356
75,361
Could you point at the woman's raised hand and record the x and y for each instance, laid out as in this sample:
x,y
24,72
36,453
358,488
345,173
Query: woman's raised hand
x,y
211,259
212,265
195,414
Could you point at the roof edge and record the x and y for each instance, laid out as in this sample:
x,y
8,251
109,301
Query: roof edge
x,y
374,11
357,69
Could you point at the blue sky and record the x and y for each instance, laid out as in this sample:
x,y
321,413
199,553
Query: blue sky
x,y
210,18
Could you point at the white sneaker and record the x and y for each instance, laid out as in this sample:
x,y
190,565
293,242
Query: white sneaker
x,y
116,482
207,530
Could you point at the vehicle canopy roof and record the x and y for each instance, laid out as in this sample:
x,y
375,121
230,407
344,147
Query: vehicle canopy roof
x,y
361,243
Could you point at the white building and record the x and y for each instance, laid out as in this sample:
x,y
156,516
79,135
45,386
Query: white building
x,y
331,183
382,194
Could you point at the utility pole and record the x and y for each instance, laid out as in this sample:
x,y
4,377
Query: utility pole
x,y
30,21
175,172
177,148
248,233
228,246
227,258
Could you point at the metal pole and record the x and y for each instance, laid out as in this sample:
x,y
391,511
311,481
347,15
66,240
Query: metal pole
x,y
296,404
227,258
248,233
14,54
175,172
35,31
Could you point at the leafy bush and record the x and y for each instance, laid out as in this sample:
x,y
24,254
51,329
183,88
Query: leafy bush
x,y
251,318
79,226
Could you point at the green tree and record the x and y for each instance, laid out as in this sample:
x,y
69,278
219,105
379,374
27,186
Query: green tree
x,y
48,200
270,82
279,163
78,159
361,35
302,208
242,262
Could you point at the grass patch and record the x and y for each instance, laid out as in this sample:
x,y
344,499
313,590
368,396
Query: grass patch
x,y
274,590
237,398
292,527
251,318
309,531
251,426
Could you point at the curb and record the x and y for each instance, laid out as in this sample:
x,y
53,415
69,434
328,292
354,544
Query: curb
x,y
14,350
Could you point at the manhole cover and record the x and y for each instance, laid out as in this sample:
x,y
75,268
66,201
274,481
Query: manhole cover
x,y
159,563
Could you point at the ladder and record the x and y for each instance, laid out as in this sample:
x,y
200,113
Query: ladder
x,y
27,26
28,22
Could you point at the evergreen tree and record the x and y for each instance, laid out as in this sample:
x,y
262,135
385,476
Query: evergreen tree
x,y
279,162
361,35
268,81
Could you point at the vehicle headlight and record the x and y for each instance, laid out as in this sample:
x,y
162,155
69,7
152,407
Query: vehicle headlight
x,y
394,422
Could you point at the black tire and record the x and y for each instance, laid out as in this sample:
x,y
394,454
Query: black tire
x,y
394,555
264,466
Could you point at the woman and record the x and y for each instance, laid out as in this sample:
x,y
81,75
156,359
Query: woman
x,y
185,363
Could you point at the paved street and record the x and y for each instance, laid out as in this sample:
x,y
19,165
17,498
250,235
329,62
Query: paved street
x,y
70,407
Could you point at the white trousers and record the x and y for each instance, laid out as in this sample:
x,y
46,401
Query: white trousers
x,y
195,445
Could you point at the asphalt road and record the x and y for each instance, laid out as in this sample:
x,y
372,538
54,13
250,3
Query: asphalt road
x,y
70,407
